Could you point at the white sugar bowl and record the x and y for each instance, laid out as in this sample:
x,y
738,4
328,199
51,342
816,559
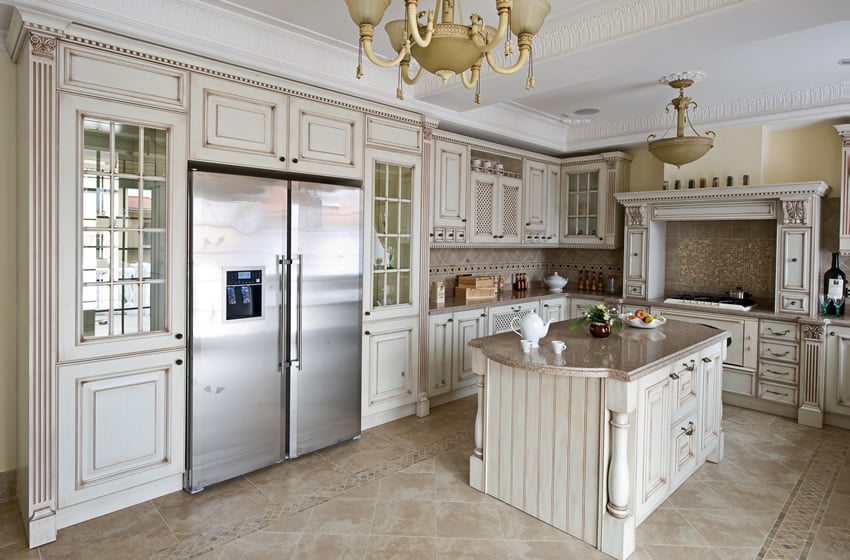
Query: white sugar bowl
x,y
555,282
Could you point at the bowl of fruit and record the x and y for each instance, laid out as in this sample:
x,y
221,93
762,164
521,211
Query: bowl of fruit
x,y
642,320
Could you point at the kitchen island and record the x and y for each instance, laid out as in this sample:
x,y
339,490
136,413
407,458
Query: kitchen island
x,y
592,440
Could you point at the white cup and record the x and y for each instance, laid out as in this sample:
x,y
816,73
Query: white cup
x,y
558,346
526,345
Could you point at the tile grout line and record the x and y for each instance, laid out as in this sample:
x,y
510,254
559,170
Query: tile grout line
x,y
793,531
204,542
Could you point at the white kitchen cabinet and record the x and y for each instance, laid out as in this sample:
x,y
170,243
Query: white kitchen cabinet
x,y
496,204
451,188
844,218
554,309
779,361
838,372
636,262
541,183
390,364
467,326
440,353
590,215
123,259
795,269
121,425
246,125
392,218
711,414
500,316
579,305
653,439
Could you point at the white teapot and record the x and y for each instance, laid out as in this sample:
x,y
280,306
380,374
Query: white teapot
x,y
531,327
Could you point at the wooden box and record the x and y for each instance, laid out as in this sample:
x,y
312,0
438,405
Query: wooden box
x,y
475,282
475,294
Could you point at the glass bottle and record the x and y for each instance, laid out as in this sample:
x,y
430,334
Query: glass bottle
x,y
835,288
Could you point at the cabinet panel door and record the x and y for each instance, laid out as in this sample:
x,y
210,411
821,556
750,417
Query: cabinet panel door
x,y
390,364
123,229
121,424
653,444
838,370
536,195
711,377
467,325
450,190
510,207
685,386
486,215
237,123
325,139
684,435
636,250
795,262
553,204
554,309
440,338
500,317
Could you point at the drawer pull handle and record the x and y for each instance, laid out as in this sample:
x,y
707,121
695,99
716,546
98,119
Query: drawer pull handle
x,y
689,431
674,375
706,360
776,393
772,353
689,367
778,334
777,372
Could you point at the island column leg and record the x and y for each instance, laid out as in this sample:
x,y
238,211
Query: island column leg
x,y
476,460
618,520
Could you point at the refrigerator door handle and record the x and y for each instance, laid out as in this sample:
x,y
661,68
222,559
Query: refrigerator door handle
x,y
297,261
281,271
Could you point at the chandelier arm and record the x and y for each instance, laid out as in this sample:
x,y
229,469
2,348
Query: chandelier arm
x,y
523,57
405,74
474,74
504,20
413,25
373,58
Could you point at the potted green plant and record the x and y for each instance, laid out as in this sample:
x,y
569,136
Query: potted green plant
x,y
600,318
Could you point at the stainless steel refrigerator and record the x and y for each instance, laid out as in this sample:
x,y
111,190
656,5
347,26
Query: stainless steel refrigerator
x,y
276,289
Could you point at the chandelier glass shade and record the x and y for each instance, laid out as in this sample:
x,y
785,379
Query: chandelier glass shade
x,y
681,149
448,48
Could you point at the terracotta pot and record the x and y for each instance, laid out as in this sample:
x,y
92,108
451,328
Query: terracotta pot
x,y
600,330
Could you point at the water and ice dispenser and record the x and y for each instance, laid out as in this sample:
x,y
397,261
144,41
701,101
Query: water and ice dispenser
x,y
243,298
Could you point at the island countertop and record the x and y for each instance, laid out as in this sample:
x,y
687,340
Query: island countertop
x,y
626,355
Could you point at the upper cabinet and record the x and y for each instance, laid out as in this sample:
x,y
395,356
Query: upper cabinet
x,y
590,216
451,179
495,194
541,183
245,125
844,223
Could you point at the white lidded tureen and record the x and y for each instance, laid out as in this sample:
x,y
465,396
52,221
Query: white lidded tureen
x,y
555,282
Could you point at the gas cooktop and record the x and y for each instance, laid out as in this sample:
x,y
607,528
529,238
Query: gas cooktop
x,y
716,302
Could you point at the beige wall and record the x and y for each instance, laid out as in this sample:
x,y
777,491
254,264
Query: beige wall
x,y
812,153
8,236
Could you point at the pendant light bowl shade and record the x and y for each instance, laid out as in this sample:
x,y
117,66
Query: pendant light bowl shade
x,y
367,11
450,51
527,16
681,150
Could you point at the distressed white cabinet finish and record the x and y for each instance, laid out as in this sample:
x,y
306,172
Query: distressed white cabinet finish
x,y
554,309
390,365
121,425
449,355
541,183
579,305
636,262
844,218
500,316
838,372
440,353
247,125
467,325
496,203
590,215
451,188
794,276
655,399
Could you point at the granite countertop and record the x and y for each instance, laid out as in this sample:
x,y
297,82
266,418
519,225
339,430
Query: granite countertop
x,y
508,297
626,355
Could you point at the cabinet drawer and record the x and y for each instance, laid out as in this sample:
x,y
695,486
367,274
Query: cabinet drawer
x,y
737,381
776,392
636,289
778,372
683,434
794,303
781,351
779,330
685,391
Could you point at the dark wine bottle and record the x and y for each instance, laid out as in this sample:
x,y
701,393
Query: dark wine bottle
x,y
835,288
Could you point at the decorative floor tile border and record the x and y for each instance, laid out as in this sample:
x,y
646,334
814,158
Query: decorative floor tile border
x,y
794,530
204,542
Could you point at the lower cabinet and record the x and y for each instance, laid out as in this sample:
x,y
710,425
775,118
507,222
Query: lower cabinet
x,y
838,371
678,425
449,355
554,309
121,428
501,316
579,305
390,366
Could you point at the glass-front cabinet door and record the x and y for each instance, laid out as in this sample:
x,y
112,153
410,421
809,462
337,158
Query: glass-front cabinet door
x,y
122,252
582,216
392,218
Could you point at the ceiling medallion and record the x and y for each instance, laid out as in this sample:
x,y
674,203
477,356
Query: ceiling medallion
x,y
447,49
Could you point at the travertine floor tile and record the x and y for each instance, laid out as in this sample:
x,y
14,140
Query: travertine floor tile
x,y
724,527
356,455
337,547
407,486
342,516
401,548
667,552
412,519
261,545
288,481
11,527
19,551
466,520
668,527
831,543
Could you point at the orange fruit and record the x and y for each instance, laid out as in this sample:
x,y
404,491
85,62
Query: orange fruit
x,y
640,313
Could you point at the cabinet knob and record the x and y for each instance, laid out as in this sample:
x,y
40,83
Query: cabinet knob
x,y
463,220
430,235
527,223
179,336
634,254
282,158
832,333
367,333
794,259
178,361
483,314
793,302
449,320
368,313
402,374
295,160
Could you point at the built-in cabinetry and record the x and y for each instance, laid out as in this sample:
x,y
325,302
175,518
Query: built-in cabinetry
x,y
779,361
449,356
541,182
450,192
496,204
844,218
243,124
678,425
837,374
392,190
590,215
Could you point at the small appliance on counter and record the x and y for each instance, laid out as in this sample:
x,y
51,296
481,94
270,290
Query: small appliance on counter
x,y
717,302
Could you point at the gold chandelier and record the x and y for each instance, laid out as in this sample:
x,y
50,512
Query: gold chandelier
x,y
681,149
447,48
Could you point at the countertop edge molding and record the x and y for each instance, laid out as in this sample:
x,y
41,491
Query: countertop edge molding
x,y
736,194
